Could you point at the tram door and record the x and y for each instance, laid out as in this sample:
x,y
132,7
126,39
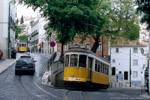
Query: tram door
x,y
89,72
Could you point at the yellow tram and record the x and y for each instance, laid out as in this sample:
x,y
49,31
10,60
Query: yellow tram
x,y
22,46
86,68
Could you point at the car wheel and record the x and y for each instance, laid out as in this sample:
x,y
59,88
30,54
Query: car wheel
x,y
16,73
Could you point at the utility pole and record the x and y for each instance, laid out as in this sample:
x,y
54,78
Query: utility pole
x,y
130,68
102,47
149,66
9,31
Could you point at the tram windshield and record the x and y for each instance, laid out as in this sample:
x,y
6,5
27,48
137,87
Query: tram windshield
x,y
67,61
82,61
73,60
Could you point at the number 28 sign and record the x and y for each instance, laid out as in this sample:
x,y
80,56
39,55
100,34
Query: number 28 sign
x,y
52,43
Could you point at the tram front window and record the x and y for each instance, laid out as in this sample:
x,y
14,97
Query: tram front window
x,y
82,61
73,60
67,61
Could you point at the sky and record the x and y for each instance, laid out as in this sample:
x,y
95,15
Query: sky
x,y
23,10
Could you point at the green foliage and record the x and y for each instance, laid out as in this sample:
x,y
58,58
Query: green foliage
x,y
23,37
124,20
31,22
144,9
22,20
69,18
19,29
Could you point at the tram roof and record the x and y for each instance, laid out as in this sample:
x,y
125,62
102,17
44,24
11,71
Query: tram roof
x,y
88,52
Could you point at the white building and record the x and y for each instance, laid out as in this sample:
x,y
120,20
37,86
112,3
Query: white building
x,y
124,58
38,38
4,9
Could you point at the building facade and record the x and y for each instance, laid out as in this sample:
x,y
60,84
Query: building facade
x,y
88,43
38,41
126,60
4,9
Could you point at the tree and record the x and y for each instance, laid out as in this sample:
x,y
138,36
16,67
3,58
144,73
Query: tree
x,y
23,37
68,18
121,20
19,29
31,22
144,8
22,20
124,19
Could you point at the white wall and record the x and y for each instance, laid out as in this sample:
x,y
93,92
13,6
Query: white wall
x,y
4,26
122,61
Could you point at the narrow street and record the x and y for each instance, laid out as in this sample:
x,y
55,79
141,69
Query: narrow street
x,y
27,87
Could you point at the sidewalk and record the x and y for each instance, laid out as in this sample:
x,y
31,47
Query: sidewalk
x,y
6,64
145,96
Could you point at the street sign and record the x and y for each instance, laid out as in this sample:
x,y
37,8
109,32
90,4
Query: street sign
x,y
52,44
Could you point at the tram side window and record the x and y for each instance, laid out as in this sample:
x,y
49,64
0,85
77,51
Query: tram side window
x,y
67,61
82,61
73,60
98,68
96,62
103,69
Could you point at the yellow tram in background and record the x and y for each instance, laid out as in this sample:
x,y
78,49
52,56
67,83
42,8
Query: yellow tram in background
x,y
85,68
22,46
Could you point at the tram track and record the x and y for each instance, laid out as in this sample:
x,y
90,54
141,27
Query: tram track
x,y
85,98
81,93
50,94
28,90
38,87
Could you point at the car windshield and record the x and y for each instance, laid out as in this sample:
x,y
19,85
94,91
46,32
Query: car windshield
x,y
25,61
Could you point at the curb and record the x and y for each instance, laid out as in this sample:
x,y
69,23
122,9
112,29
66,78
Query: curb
x,y
5,67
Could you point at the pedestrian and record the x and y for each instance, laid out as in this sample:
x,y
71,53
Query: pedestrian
x,y
147,85
117,77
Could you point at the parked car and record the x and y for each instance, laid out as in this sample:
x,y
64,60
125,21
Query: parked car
x,y
25,65
13,53
1,54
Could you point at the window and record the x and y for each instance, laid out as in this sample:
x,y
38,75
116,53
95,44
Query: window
x,y
73,60
23,45
113,60
135,62
98,68
135,50
117,50
99,47
135,74
113,71
67,61
65,47
126,75
96,62
88,46
82,61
